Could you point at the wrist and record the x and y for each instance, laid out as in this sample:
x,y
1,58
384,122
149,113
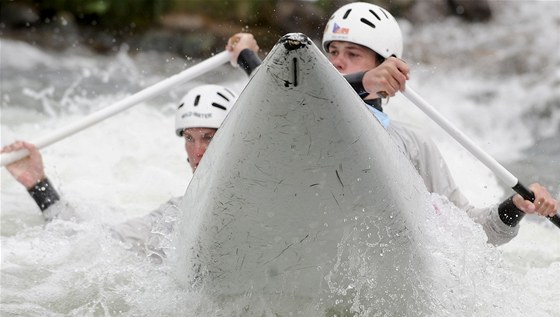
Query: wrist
x,y
29,181
44,194
248,60
509,213
356,81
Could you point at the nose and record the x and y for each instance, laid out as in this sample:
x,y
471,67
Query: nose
x,y
200,149
338,62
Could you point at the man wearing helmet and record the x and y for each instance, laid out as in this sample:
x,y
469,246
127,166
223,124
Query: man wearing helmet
x,y
200,114
364,42
198,117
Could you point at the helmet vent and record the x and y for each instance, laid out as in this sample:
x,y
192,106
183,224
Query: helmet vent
x,y
367,22
230,92
181,105
385,13
220,94
346,13
217,105
373,12
196,100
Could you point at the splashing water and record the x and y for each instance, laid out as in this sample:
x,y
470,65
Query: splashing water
x,y
498,82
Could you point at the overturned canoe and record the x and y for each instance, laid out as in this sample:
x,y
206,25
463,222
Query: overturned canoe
x,y
302,202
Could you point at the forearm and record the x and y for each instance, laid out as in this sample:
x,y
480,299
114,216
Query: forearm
x,y
134,232
148,233
356,81
498,222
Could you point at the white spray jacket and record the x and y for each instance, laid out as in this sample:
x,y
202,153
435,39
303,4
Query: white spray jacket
x,y
149,234
428,161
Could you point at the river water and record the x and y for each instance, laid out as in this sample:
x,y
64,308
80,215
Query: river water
x,y
497,82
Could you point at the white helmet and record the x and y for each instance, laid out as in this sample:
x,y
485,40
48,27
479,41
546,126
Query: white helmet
x,y
365,24
205,106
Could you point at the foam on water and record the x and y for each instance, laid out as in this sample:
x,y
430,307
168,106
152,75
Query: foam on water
x,y
498,82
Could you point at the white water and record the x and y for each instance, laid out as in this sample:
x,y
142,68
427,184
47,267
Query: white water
x,y
498,82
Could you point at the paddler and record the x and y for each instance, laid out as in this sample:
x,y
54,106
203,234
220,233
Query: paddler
x,y
364,42
199,115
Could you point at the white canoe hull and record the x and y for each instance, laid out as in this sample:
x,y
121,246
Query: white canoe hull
x,y
303,197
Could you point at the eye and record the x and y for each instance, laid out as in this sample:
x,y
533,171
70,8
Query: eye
x,y
188,138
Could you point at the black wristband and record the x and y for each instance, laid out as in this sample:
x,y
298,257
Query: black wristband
x,y
355,80
248,61
509,214
44,194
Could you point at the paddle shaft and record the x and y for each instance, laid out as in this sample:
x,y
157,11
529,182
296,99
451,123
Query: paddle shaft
x,y
102,114
501,172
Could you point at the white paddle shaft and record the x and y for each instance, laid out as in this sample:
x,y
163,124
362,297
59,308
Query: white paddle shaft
x,y
145,94
501,172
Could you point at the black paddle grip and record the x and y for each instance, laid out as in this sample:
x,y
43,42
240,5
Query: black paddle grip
x,y
525,192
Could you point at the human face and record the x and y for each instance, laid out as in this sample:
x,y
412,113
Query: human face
x,y
196,143
351,58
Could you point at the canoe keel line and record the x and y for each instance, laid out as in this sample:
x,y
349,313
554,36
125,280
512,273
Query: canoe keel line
x,y
302,200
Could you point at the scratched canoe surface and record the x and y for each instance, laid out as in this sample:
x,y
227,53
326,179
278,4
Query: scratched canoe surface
x,y
77,269
303,202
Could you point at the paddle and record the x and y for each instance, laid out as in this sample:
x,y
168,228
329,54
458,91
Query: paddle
x,y
501,172
145,94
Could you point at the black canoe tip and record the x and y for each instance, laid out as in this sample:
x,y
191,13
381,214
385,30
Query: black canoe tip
x,y
294,41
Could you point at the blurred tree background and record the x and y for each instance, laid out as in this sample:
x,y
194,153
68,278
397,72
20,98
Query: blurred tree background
x,y
188,27
198,26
